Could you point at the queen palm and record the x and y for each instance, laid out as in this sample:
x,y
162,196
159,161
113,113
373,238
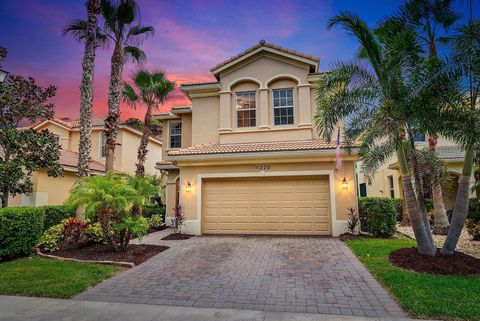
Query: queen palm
x,y
376,98
464,124
122,28
152,91
429,18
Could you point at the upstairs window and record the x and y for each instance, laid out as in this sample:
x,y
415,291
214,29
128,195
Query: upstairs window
x,y
103,143
175,134
283,106
246,109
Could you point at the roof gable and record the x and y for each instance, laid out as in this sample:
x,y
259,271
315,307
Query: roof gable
x,y
263,46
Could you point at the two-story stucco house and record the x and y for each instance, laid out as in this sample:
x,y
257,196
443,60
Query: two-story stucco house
x,y
55,190
245,158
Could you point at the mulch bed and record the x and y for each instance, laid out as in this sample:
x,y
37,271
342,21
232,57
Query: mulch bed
x,y
99,252
156,229
177,236
456,264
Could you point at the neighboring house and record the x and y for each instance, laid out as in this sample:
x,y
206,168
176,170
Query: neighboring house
x,y
387,181
55,190
245,158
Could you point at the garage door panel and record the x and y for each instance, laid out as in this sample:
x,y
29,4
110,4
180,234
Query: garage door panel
x,y
283,205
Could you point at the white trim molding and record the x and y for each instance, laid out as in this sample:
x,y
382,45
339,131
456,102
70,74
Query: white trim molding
x,y
337,228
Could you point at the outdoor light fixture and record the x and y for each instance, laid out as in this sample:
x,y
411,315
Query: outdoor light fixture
x,y
189,187
344,184
3,75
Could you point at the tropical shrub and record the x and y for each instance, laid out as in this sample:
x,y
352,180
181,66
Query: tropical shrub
x,y
71,233
474,209
353,220
94,233
155,221
178,218
473,228
20,230
148,210
377,215
55,214
114,200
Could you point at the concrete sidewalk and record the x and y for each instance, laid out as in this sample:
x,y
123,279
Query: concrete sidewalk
x,y
25,308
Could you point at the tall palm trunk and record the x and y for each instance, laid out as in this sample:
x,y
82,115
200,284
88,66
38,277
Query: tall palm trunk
x,y
142,148
440,219
460,210
86,97
114,96
424,243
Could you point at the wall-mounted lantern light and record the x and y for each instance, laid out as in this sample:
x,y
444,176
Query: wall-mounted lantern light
x,y
344,184
189,187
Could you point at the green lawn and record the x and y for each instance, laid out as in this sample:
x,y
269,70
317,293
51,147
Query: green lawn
x,y
50,278
422,295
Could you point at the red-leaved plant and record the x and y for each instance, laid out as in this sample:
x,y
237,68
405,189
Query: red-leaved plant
x,y
178,218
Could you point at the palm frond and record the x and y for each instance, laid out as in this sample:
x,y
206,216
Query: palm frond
x,y
129,95
139,30
135,54
76,28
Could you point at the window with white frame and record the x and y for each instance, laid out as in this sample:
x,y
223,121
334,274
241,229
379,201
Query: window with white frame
x,y
390,186
246,109
283,106
175,134
103,143
57,139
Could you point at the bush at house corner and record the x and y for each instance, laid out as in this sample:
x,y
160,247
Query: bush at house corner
x,y
378,215
20,230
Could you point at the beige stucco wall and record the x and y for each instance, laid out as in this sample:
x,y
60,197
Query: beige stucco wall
x,y
205,120
190,172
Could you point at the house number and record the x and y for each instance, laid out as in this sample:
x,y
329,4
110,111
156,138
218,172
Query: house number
x,y
261,167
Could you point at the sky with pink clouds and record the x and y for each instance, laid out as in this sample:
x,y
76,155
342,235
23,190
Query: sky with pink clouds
x,y
190,37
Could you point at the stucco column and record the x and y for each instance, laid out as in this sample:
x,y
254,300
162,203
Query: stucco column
x,y
263,108
225,115
305,110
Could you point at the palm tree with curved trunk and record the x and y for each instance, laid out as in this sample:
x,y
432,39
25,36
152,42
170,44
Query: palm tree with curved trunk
x,y
377,97
122,29
152,89
429,18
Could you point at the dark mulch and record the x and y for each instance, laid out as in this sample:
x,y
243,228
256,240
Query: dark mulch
x,y
456,264
134,253
349,236
177,236
156,229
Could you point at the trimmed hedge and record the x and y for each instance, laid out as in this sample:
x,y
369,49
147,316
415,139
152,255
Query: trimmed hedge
x,y
153,209
378,215
55,214
20,230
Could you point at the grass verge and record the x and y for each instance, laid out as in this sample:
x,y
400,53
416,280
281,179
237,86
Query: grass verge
x,y
38,276
422,295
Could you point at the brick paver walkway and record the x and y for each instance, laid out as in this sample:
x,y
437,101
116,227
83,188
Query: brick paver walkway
x,y
267,273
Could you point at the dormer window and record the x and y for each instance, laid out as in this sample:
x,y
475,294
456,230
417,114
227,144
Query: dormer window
x,y
246,109
175,134
283,106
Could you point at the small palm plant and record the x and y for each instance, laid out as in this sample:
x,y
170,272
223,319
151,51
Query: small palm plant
x,y
109,199
152,91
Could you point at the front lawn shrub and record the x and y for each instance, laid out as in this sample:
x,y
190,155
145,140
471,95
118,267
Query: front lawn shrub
x,y
94,233
473,228
155,221
148,210
55,214
474,209
377,215
20,230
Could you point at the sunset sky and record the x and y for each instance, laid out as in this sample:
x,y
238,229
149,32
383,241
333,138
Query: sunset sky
x,y
190,37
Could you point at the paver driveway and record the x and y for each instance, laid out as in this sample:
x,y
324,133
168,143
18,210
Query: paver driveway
x,y
269,273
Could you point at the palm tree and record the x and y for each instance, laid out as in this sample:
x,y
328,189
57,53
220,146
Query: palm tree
x,y
108,198
376,101
429,18
464,126
86,88
122,28
152,90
